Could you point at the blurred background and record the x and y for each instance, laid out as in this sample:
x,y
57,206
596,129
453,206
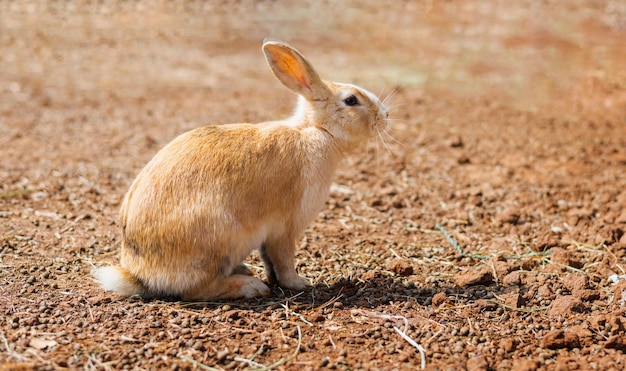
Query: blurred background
x,y
519,52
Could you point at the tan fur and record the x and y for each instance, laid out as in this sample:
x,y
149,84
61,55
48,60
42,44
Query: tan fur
x,y
214,194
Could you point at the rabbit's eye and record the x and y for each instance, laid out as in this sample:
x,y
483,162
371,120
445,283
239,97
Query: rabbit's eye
x,y
351,101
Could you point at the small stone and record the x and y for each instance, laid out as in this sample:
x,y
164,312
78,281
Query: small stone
x,y
198,345
324,362
458,347
222,354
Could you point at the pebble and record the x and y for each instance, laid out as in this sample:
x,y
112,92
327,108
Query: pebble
x,y
459,346
221,355
324,362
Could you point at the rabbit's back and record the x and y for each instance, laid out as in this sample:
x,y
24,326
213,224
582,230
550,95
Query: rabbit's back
x,y
213,195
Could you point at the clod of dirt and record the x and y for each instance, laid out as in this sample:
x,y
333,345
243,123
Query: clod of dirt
x,y
508,344
619,294
222,354
525,365
578,284
513,300
463,160
512,279
560,339
564,257
566,305
528,264
317,316
575,281
501,266
456,142
547,241
439,298
582,332
617,323
509,215
400,267
616,342
370,275
481,275
478,363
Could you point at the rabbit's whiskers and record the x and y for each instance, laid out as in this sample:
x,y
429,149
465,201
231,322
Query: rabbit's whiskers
x,y
382,139
391,100
387,133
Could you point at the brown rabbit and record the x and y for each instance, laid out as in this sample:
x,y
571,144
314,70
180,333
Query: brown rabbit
x,y
215,193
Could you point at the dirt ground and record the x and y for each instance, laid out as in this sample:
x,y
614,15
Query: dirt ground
x,y
482,237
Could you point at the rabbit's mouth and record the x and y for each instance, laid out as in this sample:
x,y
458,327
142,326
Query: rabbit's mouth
x,y
383,125
382,118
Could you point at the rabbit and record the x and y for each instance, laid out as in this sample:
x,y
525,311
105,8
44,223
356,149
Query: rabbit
x,y
214,194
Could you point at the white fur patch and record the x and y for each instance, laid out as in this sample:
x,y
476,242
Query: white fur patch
x,y
114,279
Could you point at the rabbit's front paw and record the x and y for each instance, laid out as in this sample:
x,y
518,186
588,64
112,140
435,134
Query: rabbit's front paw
x,y
296,283
253,288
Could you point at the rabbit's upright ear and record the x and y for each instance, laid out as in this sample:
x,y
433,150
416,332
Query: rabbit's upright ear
x,y
294,71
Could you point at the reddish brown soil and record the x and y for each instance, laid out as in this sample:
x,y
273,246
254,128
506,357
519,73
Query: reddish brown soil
x,y
511,145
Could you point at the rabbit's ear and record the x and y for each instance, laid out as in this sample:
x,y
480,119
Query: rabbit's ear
x,y
294,71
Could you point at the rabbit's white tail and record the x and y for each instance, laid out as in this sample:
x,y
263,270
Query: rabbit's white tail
x,y
119,280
